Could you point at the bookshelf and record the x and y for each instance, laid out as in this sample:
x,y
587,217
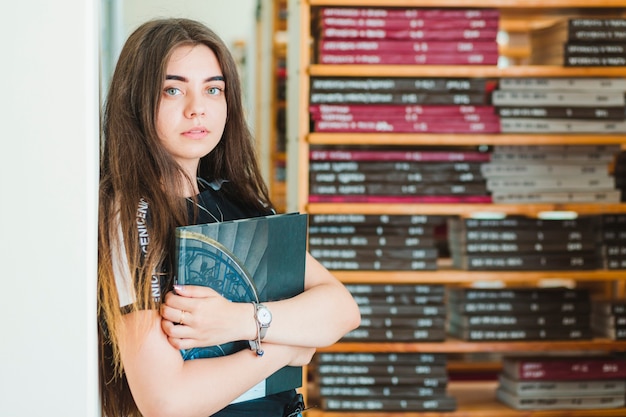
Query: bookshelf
x,y
475,399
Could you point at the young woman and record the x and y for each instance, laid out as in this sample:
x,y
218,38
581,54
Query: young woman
x,y
176,150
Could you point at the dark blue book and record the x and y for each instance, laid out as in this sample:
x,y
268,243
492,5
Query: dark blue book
x,y
256,259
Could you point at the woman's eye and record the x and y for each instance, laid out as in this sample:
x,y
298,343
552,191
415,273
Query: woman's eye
x,y
172,91
214,91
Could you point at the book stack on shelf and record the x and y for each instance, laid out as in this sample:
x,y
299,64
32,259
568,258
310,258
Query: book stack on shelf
x,y
402,105
396,175
580,42
552,174
612,240
619,172
399,313
367,381
386,243
414,36
608,318
519,314
561,105
523,244
563,382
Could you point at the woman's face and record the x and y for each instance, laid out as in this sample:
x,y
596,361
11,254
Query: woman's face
x,y
192,111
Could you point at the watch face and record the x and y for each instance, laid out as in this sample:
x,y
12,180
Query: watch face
x,y
264,316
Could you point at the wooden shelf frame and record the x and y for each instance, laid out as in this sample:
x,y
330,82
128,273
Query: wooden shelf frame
x,y
475,399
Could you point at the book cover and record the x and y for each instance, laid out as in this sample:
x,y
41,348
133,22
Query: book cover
x,y
237,259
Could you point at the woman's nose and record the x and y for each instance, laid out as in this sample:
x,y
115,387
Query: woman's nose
x,y
195,107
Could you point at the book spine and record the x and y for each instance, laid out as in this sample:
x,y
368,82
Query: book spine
x,y
597,61
533,170
560,112
399,98
379,265
436,199
381,357
606,196
406,109
395,289
389,189
554,98
376,155
527,262
408,127
371,369
428,58
407,24
529,125
323,84
406,47
570,83
371,404
374,254
475,335
320,242
408,13
374,220
410,34
565,368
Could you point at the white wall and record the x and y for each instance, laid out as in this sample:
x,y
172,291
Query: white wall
x,y
48,184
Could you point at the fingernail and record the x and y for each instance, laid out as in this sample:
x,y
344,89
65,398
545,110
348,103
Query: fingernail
x,y
178,287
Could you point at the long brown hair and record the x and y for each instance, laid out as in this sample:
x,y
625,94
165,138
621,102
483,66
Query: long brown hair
x,y
135,166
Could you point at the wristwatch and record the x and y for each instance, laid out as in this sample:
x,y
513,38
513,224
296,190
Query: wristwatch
x,y
263,317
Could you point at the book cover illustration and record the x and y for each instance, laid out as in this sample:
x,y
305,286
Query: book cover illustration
x,y
237,258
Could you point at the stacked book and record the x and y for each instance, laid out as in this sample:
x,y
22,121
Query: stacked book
x,y
522,243
399,313
608,318
373,242
612,240
378,174
402,105
619,172
561,105
382,382
551,174
519,313
563,382
580,41
397,36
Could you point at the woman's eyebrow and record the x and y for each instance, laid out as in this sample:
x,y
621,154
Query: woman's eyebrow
x,y
184,79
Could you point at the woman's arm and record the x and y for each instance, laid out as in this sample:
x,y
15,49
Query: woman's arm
x,y
164,385
318,317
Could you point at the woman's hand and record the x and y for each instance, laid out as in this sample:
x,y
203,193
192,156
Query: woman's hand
x,y
196,316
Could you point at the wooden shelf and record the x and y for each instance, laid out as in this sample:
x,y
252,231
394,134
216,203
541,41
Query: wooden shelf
x,y
463,71
446,276
459,346
457,139
465,210
472,3
474,399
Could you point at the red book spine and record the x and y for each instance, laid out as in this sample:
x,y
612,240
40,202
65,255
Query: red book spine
x,y
408,13
371,46
406,34
389,109
394,118
457,58
399,24
444,126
